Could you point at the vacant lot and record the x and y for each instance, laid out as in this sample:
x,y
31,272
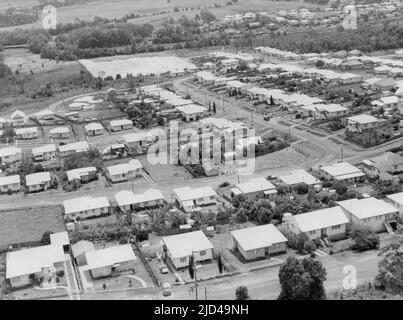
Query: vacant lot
x,y
26,225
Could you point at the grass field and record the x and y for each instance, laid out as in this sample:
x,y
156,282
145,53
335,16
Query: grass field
x,y
26,225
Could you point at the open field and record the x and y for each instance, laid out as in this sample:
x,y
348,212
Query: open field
x,y
119,8
26,225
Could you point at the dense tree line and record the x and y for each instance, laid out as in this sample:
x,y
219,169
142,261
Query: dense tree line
x,y
12,17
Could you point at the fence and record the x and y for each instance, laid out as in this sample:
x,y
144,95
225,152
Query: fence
x,y
146,264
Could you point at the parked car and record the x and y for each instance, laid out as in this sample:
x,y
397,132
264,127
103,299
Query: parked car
x,y
164,268
166,289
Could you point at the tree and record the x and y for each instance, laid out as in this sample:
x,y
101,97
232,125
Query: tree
x,y
340,187
390,268
214,108
191,267
207,16
302,280
271,100
45,240
364,238
241,293
219,263
303,244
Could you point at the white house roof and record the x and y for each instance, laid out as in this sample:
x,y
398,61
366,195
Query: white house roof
x,y
258,237
187,193
79,146
124,197
390,99
10,151
123,168
319,219
59,130
121,122
37,178
78,173
93,126
18,114
43,149
84,204
343,170
81,247
109,256
333,107
4,181
182,245
191,109
60,238
177,102
396,197
138,136
43,113
32,260
363,119
299,176
26,130
256,185
367,207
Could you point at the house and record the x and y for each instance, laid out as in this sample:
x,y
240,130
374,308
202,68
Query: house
x,y
44,153
299,176
136,141
10,184
39,181
396,200
384,84
341,171
193,199
86,207
122,124
10,155
383,166
27,265
75,147
330,111
255,189
61,239
191,112
18,118
59,133
128,201
44,115
371,212
180,247
259,242
329,222
82,175
79,249
362,122
124,171
94,129
386,102
27,133
77,106
111,261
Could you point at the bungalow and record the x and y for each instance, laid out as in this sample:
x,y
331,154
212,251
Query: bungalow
x,y
10,155
330,111
396,200
299,176
44,153
111,261
124,171
24,266
371,212
350,78
382,70
383,166
94,129
59,133
18,118
193,199
136,141
179,248
341,171
385,84
77,106
362,122
44,115
79,249
205,77
192,112
39,181
128,201
386,102
259,242
122,124
86,207
27,133
10,184
329,222
255,189
75,147
82,175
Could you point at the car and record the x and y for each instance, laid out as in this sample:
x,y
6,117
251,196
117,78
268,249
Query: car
x,y
166,289
164,268
267,117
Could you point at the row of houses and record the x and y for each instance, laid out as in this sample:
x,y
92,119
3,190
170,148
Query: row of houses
x,y
34,182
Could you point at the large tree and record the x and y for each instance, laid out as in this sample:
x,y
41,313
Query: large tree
x,y
241,293
302,280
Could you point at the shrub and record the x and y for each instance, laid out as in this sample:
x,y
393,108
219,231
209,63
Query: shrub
x,y
364,238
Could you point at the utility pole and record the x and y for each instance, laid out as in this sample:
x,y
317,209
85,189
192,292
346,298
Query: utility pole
x,y
289,132
342,154
205,293
252,117
195,274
